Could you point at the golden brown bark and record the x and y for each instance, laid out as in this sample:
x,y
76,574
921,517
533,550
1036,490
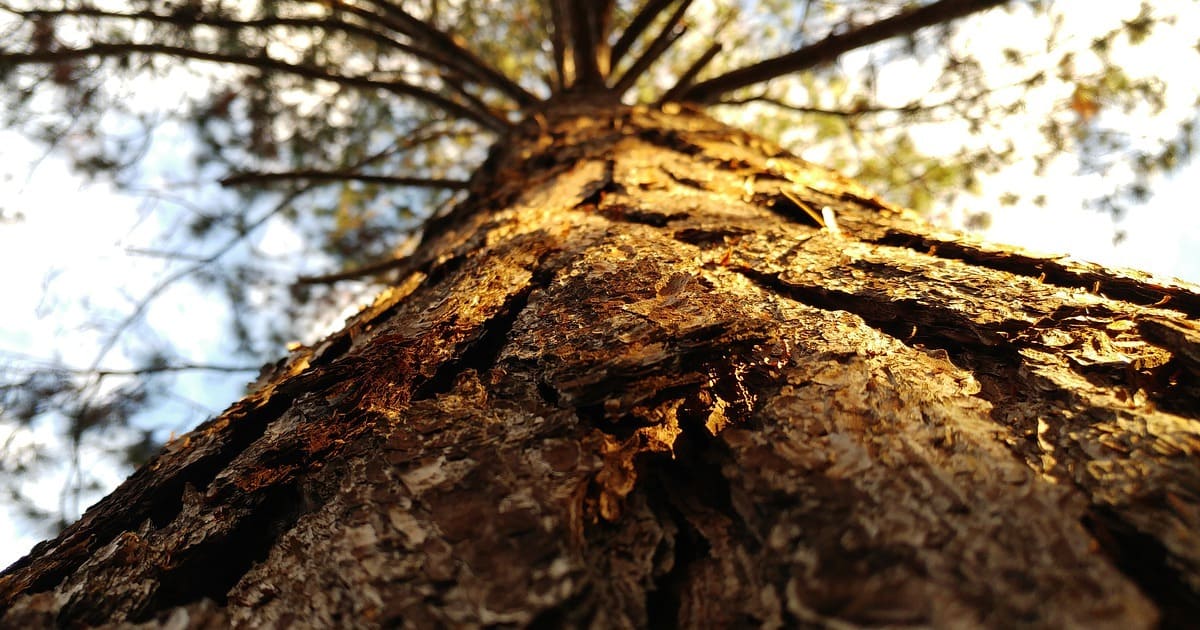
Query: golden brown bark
x,y
633,382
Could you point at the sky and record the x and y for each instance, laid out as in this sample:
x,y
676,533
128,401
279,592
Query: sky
x,y
1163,235
66,260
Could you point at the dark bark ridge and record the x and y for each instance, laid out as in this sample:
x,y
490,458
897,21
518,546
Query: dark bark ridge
x,y
633,380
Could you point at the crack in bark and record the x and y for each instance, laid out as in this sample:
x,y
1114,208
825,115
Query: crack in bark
x,y
672,139
684,485
1139,556
146,495
688,488
481,352
1181,339
629,214
478,353
890,315
213,567
914,322
1145,561
786,208
709,236
664,596
1049,271
593,193
684,180
957,334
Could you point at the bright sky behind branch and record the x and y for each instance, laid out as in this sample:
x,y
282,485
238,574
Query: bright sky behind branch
x,y
1163,235
67,259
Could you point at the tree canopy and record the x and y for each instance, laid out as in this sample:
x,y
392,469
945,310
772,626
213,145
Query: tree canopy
x,y
347,123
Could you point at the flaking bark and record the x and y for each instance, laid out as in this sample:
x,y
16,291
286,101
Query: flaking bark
x,y
631,382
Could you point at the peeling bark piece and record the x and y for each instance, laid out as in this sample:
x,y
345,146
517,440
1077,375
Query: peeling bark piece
x,y
1181,337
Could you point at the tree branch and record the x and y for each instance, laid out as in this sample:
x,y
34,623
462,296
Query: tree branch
x,y
489,120
603,14
201,19
356,273
644,17
839,113
583,44
140,308
418,136
863,109
238,179
29,363
558,41
328,24
419,48
455,83
661,43
689,75
834,46
452,53
587,26
158,369
565,20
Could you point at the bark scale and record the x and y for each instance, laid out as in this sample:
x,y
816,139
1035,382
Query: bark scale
x,y
632,381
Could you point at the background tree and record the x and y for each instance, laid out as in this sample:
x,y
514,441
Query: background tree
x,y
352,120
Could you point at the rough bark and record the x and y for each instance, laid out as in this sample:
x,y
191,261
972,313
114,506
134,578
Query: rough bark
x,y
632,382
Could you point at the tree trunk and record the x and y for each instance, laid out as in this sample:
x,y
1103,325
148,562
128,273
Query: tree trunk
x,y
655,372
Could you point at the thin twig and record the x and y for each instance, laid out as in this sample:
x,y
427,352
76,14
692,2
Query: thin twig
x,y
239,179
166,282
32,364
858,110
140,308
179,367
154,253
371,269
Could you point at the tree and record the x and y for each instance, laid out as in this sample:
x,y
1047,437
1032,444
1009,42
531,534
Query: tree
x,y
346,125
656,370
